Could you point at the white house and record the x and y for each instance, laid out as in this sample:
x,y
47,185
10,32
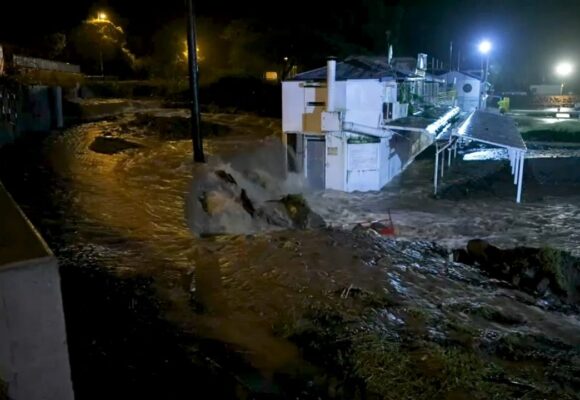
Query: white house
x,y
467,87
340,123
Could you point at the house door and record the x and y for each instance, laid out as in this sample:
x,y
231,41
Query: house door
x,y
315,163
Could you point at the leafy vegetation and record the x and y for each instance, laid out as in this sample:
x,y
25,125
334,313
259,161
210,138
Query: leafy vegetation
x,y
423,370
564,270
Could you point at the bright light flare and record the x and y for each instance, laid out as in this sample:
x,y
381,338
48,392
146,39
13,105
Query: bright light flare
x,y
101,16
185,52
564,69
485,47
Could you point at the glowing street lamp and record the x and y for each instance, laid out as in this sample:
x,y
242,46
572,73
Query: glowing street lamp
x,y
484,48
564,70
101,16
185,52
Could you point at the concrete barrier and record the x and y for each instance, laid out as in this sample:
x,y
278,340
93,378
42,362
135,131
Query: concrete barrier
x,y
33,350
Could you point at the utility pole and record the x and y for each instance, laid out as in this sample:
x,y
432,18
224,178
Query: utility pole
x,y
196,138
101,59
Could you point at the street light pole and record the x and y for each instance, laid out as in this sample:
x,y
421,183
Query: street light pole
x,y
563,70
101,58
102,18
484,49
196,138
485,76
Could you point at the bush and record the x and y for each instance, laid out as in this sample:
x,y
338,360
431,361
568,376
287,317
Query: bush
x,y
3,390
426,371
564,270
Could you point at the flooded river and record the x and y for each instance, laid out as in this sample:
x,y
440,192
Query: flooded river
x,y
291,314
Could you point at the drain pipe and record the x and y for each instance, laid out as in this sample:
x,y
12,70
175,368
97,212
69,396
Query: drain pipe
x,y
330,83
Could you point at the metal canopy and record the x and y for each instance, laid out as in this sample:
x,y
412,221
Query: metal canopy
x,y
431,122
502,131
492,129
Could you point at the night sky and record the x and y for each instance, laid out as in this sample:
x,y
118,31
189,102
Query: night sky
x,y
528,35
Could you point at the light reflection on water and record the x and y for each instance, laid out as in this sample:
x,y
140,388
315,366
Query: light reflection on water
x,y
502,154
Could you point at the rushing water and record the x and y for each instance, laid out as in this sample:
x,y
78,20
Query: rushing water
x,y
127,211
548,215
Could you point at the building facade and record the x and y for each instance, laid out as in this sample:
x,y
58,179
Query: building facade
x,y
337,122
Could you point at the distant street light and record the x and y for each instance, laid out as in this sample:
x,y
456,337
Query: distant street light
x,y
484,47
564,70
101,16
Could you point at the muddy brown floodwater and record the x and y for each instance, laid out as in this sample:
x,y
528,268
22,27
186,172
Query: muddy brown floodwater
x,y
154,312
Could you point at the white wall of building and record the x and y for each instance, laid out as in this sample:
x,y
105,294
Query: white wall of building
x,y
364,102
360,101
467,100
335,161
303,104
362,167
292,106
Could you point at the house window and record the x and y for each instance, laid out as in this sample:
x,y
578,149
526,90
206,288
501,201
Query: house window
x,y
387,111
467,88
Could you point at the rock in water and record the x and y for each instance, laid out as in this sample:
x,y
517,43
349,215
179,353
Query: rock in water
x,y
535,270
111,145
224,201
300,213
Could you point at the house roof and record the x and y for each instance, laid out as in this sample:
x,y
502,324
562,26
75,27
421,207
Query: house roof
x,y
359,67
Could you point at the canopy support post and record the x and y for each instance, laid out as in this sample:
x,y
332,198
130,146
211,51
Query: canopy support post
x,y
517,166
435,175
442,162
520,177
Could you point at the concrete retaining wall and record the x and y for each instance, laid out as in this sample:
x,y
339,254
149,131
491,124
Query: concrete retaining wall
x,y
33,350
32,108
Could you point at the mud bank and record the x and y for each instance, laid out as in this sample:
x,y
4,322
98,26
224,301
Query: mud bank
x,y
347,315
